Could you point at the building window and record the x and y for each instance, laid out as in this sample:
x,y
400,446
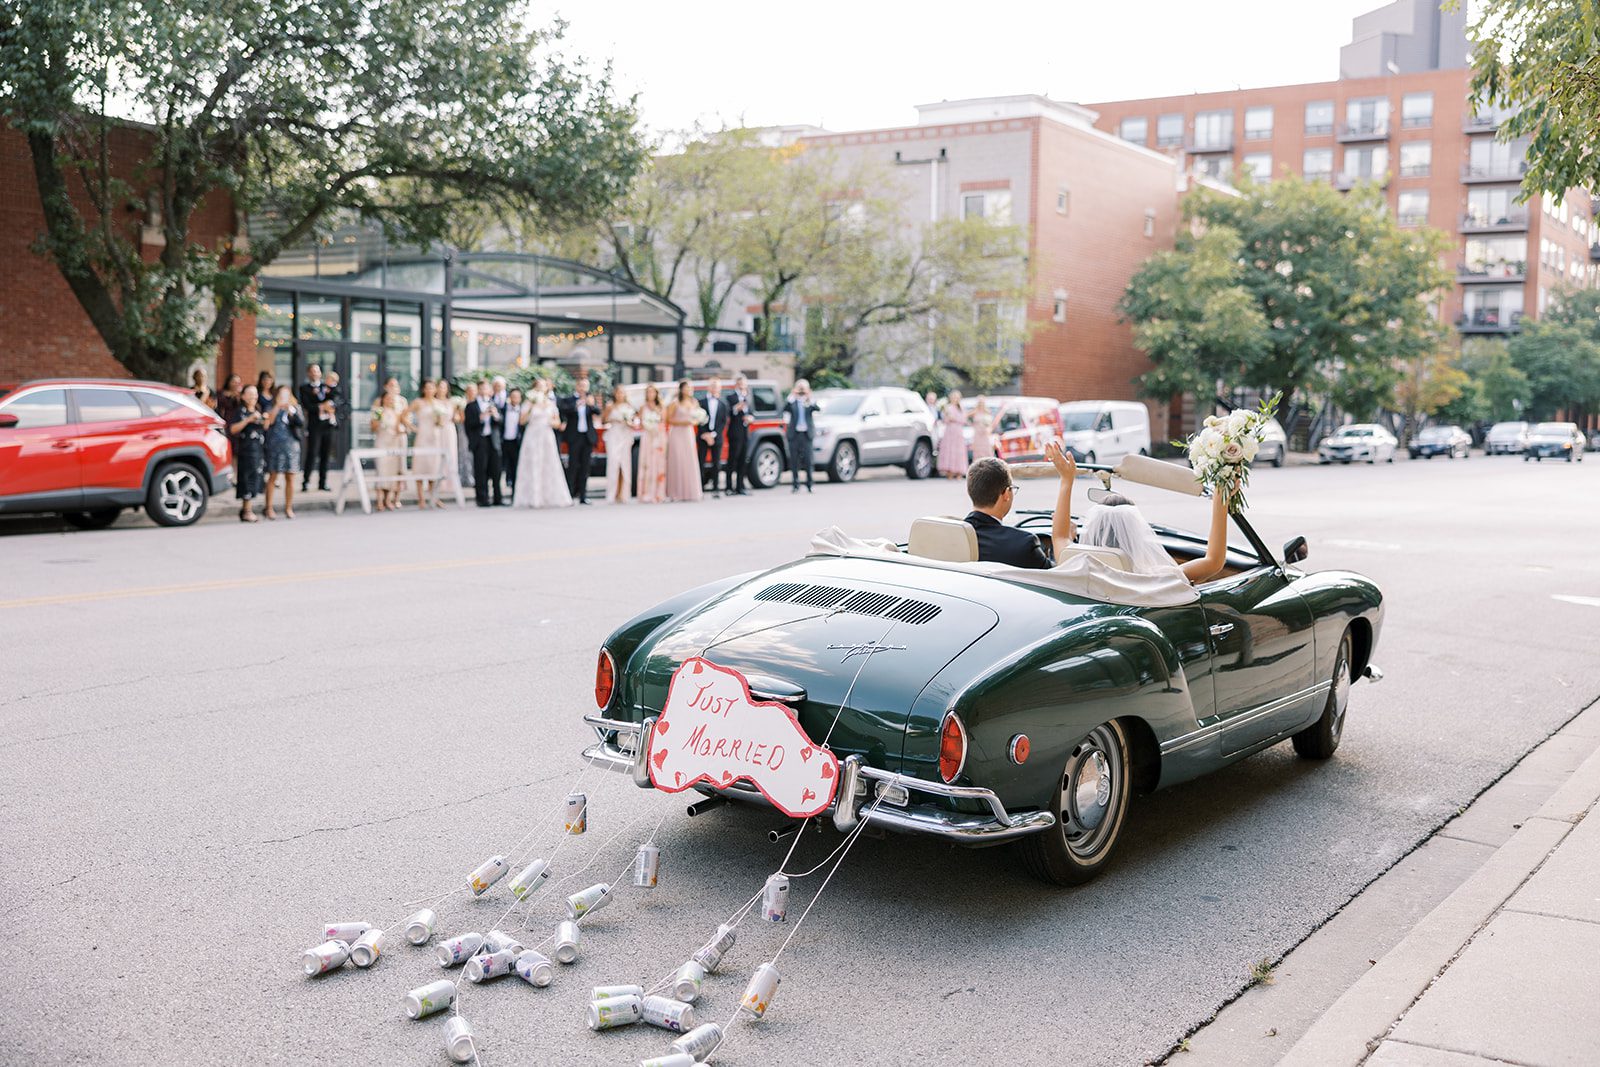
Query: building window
x,y
1319,117
1497,257
1063,200
1169,131
1489,158
1136,130
1367,115
1412,209
1318,164
1149,222
1416,110
994,205
1000,324
1416,159
1494,207
1492,308
1058,311
1258,165
1257,123
1366,164
1217,167
1213,129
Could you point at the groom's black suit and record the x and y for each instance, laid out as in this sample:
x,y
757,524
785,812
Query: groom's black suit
x,y
580,442
486,448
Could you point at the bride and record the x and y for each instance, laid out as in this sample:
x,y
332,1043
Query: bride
x,y
541,480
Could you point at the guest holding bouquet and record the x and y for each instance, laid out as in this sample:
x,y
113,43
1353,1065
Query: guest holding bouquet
x,y
953,438
285,423
684,416
391,422
652,448
619,418
432,418
982,421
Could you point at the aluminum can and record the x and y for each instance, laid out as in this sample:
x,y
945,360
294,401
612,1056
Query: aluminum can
x,y
606,992
567,938
775,899
726,935
367,949
529,878
457,949
425,1000
328,956
534,968
499,942
759,993
487,965
701,1041
668,1013
646,867
614,1012
420,927
346,932
675,1059
458,1040
687,982
488,873
577,813
708,958
584,901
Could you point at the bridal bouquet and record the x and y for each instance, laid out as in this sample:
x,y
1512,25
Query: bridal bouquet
x,y
701,416
1222,451
651,418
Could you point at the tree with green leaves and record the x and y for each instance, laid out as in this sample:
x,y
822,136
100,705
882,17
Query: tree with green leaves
x,y
1432,383
1560,356
1540,60
399,113
1498,391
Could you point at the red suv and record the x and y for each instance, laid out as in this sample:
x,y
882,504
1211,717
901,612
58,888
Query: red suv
x,y
89,448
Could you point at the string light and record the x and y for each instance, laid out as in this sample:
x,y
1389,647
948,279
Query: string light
x,y
567,338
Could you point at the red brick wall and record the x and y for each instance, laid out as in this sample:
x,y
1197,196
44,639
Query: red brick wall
x,y
43,329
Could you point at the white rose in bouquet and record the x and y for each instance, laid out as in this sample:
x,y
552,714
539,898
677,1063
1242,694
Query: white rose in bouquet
x,y
1222,451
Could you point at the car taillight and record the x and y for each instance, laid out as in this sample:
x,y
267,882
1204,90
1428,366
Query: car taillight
x,y
952,748
605,679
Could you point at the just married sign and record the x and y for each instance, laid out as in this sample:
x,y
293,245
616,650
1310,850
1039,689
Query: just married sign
x,y
712,731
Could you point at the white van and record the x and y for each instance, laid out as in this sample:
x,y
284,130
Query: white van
x,y
1103,431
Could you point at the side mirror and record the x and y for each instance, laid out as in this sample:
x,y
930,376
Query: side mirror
x,y
1295,550
7,421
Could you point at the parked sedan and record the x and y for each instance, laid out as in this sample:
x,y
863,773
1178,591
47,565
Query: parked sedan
x,y
1506,438
1555,440
872,428
1449,441
1363,441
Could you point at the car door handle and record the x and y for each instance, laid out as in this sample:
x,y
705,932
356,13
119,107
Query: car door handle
x,y
1220,628
62,446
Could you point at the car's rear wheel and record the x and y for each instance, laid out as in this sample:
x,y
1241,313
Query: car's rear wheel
x,y
1090,806
766,466
844,464
1278,457
95,519
177,495
1321,739
921,463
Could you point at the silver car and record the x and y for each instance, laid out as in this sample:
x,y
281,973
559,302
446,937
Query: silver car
x,y
872,428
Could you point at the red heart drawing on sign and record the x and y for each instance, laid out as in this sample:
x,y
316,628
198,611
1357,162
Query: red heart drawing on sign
x,y
677,777
660,757
827,770
698,667
661,726
727,777
805,754
807,795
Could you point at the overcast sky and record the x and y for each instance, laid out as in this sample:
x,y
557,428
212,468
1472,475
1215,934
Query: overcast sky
x,y
868,63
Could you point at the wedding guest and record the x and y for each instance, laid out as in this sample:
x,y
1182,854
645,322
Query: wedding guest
x,y
713,434
433,419
799,419
317,407
450,437
541,483
953,438
391,422
228,400
511,443
741,414
266,389
284,426
619,420
580,414
932,399
684,415
249,452
652,448
483,422
982,430
203,392
466,447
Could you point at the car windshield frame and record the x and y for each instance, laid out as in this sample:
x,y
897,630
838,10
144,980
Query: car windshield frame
x,y
1068,419
1353,434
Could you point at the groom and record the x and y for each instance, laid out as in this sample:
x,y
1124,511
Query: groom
x,y
580,418
484,422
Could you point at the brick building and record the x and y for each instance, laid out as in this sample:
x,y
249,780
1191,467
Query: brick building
x,y
43,329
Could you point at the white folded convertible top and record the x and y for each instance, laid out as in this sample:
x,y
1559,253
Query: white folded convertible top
x,y
1080,575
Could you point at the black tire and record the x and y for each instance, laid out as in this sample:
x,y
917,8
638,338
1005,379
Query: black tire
x,y
97,519
177,496
1321,739
766,465
1277,460
920,465
845,464
1095,785
1089,456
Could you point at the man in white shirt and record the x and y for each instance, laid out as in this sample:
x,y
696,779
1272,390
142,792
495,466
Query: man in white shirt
x,y
711,437
511,442
485,424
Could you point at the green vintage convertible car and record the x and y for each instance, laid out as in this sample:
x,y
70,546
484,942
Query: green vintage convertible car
x,y
983,703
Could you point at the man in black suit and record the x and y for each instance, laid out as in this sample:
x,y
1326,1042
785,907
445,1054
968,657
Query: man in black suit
x,y
800,423
317,402
485,426
580,413
511,441
712,435
993,492
741,413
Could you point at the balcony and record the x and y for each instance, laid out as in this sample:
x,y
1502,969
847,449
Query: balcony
x,y
1200,148
1415,218
1489,320
1352,132
1481,222
1510,171
1483,123
1594,253
1345,182
1503,271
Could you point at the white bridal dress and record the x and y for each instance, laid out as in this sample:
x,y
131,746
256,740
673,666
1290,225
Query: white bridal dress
x,y
541,480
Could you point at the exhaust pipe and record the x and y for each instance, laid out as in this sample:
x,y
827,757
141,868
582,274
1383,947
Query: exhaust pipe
x,y
700,807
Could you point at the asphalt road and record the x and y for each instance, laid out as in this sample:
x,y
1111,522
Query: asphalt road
x,y
217,739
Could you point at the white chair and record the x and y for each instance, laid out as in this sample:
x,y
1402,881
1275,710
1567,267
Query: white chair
x,y
945,538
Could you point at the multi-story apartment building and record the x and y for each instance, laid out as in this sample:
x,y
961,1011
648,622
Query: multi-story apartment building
x,y
1413,132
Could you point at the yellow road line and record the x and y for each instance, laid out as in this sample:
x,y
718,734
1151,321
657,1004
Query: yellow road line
x,y
254,582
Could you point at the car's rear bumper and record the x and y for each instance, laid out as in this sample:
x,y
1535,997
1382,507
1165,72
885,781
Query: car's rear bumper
x,y
878,797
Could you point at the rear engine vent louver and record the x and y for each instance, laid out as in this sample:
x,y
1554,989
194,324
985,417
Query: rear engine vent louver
x,y
859,602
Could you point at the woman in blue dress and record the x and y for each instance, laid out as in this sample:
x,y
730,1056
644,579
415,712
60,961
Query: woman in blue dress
x,y
249,452
285,423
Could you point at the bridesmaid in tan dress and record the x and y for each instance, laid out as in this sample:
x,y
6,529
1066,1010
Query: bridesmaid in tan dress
x,y
430,418
684,416
391,422
619,419
982,422
652,448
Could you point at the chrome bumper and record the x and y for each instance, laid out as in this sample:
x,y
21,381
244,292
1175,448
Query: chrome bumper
x,y
881,798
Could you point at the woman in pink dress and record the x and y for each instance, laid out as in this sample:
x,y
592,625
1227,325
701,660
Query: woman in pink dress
x,y
684,416
953,439
982,420
652,448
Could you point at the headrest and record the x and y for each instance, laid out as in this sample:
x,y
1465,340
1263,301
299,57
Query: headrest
x,y
945,538
1114,557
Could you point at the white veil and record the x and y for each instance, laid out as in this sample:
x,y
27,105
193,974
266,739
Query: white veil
x,y
1121,526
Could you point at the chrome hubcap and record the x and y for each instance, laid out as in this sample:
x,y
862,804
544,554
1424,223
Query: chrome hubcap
x,y
1091,790
1341,692
846,461
769,467
924,461
181,496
